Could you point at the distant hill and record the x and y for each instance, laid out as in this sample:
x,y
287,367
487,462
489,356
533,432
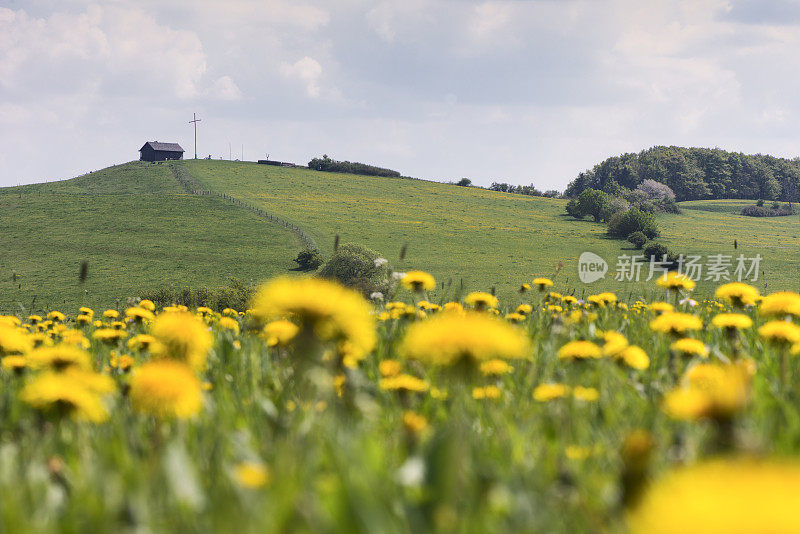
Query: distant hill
x,y
141,228
697,174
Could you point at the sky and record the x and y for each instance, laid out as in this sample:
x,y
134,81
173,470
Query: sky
x,y
525,92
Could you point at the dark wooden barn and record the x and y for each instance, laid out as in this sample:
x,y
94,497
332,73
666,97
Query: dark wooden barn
x,y
155,151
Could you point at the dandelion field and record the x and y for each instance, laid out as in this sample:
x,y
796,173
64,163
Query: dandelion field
x,y
317,411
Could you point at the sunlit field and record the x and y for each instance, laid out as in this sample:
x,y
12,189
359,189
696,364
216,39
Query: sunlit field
x,y
139,230
316,411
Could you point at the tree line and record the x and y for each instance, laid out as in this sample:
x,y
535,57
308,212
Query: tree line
x,y
350,167
695,173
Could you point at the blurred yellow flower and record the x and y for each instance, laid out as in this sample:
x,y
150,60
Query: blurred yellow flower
x,y
418,281
403,382
676,323
279,333
449,337
585,394
390,368
781,332
166,389
495,367
64,394
329,311
14,340
737,294
732,321
674,280
542,283
414,422
780,303
251,475
481,300
183,337
690,347
710,390
59,357
547,392
634,357
579,350
722,496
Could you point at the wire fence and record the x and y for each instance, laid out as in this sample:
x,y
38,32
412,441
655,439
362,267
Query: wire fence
x,y
191,186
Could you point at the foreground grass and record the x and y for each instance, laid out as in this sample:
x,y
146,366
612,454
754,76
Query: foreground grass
x,y
290,440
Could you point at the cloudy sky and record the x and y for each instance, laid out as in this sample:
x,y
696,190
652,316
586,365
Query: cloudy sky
x,y
518,91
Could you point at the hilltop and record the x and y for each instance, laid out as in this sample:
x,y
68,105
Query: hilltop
x,y
140,229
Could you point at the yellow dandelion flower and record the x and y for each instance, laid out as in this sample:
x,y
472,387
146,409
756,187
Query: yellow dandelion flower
x,y
453,307
414,423
585,394
690,347
147,305
660,307
83,320
166,389
515,317
737,293
205,310
524,309
481,300
674,281
495,367
141,342
634,357
548,392
542,283
109,335
251,475
579,350
730,496
139,314
486,392
710,390
111,314
64,394
675,323
14,363
14,340
183,337
390,368
613,343
403,382
577,452
227,323
732,321
56,316
780,303
59,357
448,337
418,281
230,312
34,319
330,311
780,332
279,333
524,287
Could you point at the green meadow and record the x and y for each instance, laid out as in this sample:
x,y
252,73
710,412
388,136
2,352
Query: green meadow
x,y
136,229
139,231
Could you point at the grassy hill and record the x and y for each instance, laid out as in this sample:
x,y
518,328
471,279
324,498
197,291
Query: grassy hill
x,y
484,237
140,230
137,229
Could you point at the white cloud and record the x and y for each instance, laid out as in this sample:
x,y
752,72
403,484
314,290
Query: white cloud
x,y
308,72
224,88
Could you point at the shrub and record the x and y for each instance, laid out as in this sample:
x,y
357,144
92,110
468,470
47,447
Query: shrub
x,y
309,259
235,295
330,165
656,190
595,203
624,224
669,206
638,239
657,250
760,202
573,210
464,182
756,211
354,266
615,205
776,206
